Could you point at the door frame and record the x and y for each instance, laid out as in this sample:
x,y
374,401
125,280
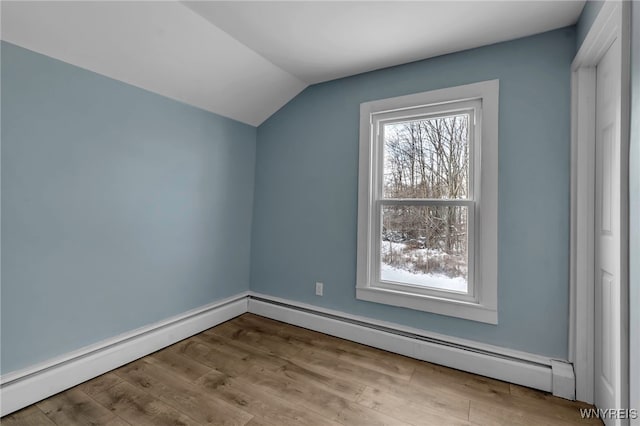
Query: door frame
x,y
612,22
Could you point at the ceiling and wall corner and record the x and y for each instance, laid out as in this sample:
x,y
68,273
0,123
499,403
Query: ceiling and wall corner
x,y
163,47
245,60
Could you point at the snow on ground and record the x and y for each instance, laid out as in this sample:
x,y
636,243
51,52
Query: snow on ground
x,y
388,246
389,273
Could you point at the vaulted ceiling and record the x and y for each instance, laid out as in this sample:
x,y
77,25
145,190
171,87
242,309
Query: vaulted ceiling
x,y
245,60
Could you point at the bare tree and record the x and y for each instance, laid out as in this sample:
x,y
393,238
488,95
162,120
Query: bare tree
x,y
428,158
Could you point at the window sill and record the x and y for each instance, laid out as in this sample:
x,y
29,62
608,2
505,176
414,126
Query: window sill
x,y
436,305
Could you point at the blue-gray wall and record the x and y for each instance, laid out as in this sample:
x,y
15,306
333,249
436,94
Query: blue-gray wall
x,y
119,207
305,213
634,212
588,15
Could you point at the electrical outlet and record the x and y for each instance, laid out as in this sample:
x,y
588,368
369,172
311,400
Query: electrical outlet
x,y
319,289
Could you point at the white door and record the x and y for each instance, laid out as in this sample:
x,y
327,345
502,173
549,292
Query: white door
x,y
610,366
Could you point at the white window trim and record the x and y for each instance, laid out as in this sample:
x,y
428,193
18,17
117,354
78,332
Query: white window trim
x,y
483,307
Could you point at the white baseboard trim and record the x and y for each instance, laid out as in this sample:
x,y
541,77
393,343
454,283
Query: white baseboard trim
x,y
522,368
564,380
22,388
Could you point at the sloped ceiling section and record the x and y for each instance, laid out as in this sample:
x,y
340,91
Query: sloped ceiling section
x,y
320,41
246,59
163,47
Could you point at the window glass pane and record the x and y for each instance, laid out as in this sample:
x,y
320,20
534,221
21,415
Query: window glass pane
x,y
425,246
427,158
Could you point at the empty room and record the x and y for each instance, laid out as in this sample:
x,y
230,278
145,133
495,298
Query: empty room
x,y
320,213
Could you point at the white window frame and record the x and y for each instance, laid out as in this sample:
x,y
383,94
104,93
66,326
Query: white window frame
x,y
480,304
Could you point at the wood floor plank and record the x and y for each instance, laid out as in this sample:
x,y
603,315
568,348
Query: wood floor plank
x,y
231,347
231,363
345,388
139,408
359,415
371,359
495,414
170,358
74,407
416,402
324,363
116,421
342,349
544,398
411,412
264,405
480,414
29,416
553,407
182,395
99,384
303,335
431,375
262,421
271,343
249,356
321,401
489,403
237,392
242,350
440,396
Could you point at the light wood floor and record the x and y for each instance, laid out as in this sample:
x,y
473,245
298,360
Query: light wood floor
x,y
255,371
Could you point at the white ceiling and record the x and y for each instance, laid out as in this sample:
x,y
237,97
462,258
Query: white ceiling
x,y
320,41
245,60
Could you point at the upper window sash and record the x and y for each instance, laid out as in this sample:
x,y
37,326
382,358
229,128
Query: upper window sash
x,y
378,120
433,109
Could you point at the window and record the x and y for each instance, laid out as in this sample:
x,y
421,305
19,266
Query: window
x,y
427,208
